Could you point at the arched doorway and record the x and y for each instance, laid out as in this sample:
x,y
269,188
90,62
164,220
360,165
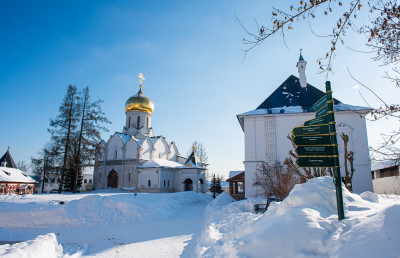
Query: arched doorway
x,y
201,185
188,184
112,179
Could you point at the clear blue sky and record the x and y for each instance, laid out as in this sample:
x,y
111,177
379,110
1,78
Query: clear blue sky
x,y
190,54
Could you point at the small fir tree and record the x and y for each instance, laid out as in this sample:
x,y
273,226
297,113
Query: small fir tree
x,y
215,186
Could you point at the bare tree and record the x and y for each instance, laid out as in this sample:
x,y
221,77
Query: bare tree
x,y
200,151
275,179
381,34
304,174
348,158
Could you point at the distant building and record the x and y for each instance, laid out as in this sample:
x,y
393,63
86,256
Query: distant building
x,y
52,181
386,177
136,157
13,180
266,128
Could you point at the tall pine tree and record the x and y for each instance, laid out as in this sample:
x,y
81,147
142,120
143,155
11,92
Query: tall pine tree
x,y
88,136
62,129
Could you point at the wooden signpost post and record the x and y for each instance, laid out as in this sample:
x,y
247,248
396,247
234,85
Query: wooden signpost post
x,y
316,143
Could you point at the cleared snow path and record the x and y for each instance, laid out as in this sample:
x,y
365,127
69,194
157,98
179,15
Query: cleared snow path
x,y
173,236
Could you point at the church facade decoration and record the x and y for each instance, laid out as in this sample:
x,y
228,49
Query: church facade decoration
x,y
136,159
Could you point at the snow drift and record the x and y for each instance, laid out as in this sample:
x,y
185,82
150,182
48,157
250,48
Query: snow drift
x,y
305,224
95,209
41,246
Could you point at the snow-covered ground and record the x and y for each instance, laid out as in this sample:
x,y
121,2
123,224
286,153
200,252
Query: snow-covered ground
x,y
116,224
102,224
303,225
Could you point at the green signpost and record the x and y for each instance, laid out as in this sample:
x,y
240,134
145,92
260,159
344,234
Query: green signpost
x,y
316,150
316,143
311,130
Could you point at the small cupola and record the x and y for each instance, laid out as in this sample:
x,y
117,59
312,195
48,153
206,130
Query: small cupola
x,y
301,66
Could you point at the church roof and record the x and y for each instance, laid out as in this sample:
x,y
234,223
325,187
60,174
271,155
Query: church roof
x,y
8,158
193,159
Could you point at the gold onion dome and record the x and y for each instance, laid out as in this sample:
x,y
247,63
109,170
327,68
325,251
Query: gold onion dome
x,y
139,102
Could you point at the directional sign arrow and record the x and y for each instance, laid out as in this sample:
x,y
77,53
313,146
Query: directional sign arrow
x,y
311,130
312,140
319,120
321,102
317,161
316,150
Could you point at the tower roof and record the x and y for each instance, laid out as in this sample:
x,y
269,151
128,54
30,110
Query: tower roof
x,y
193,159
8,159
291,94
301,59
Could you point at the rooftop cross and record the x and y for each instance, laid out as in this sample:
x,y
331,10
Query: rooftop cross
x,y
141,79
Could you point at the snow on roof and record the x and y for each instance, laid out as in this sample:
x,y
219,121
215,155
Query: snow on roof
x,y
384,164
155,163
14,175
124,137
234,173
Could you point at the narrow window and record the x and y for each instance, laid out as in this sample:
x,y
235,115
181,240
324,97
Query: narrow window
x,y
129,175
129,121
116,154
147,122
85,181
164,182
168,182
149,183
90,181
138,122
159,155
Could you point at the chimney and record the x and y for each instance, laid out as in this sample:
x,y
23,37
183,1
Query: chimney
x,y
301,66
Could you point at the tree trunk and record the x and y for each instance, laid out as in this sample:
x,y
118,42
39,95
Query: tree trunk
x,y
60,188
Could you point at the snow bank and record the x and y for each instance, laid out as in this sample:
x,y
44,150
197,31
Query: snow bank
x,y
95,209
305,224
41,246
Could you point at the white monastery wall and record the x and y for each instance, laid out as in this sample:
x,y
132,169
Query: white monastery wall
x,y
266,140
387,185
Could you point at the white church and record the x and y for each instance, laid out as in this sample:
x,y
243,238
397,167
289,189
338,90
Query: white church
x,y
136,159
266,128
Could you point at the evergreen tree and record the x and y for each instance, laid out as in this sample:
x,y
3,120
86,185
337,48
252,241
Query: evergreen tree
x,y
88,137
62,129
215,186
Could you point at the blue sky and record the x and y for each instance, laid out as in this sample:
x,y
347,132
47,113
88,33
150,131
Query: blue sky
x,y
190,54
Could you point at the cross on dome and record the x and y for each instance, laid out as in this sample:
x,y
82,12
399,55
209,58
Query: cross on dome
x,y
141,79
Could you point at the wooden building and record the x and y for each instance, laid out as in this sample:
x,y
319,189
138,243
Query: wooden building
x,y
236,184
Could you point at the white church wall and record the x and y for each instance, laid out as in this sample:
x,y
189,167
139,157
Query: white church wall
x,y
161,149
165,176
148,174
146,150
114,148
131,149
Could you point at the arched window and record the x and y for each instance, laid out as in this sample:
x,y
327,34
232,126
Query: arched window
x,y
149,183
168,182
159,155
129,121
138,122
164,182
147,122
129,177
116,154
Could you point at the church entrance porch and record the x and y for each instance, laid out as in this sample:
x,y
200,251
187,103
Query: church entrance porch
x,y
188,184
112,179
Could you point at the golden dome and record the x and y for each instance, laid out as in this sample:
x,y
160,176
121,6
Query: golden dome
x,y
139,102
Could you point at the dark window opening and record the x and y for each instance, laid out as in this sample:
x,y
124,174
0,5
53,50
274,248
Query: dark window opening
x,y
138,122
149,183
